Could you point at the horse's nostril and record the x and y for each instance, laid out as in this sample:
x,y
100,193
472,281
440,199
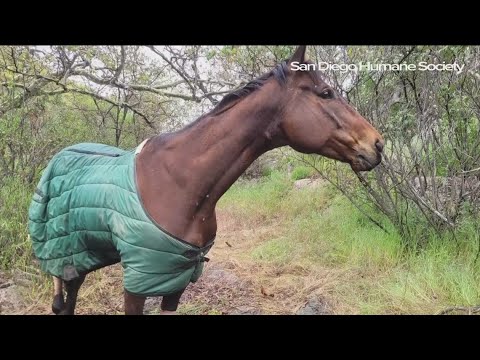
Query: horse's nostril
x,y
379,145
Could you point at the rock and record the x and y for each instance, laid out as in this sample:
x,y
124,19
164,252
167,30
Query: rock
x,y
311,183
314,306
153,301
10,300
245,310
153,305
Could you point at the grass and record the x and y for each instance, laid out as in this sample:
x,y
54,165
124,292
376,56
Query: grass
x,y
375,274
15,247
195,309
302,172
290,243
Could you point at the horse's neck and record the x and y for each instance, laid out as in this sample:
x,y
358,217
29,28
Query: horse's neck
x,y
195,167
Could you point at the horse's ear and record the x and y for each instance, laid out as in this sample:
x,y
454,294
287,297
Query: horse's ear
x,y
299,54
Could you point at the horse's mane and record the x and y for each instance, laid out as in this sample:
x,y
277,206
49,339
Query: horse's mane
x,y
279,73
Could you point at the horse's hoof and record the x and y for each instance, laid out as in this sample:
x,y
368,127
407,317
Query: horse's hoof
x,y
58,304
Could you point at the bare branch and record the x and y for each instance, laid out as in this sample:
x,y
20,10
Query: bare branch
x,y
178,71
122,64
120,105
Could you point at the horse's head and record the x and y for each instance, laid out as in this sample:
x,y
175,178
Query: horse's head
x,y
316,119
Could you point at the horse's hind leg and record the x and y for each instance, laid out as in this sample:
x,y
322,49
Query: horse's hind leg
x,y
72,287
58,300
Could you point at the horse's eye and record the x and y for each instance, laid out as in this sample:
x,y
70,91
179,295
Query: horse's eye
x,y
326,94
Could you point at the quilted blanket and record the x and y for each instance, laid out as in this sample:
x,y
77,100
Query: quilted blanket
x,y
86,213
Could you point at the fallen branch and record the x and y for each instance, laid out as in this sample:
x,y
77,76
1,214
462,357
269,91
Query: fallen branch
x,y
470,310
6,285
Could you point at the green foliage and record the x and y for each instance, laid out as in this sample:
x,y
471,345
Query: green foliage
x,y
261,197
267,171
302,172
317,228
15,245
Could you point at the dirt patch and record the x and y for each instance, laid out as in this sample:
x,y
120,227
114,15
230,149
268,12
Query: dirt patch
x,y
220,291
11,302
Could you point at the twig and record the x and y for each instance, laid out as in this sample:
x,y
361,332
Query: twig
x,y
5,285
469,310
470,171
346,195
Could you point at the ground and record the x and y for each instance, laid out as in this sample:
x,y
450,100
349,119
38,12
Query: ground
x,y
230,284
286,247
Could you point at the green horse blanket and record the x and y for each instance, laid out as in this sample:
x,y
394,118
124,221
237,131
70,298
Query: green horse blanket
x,y
86,213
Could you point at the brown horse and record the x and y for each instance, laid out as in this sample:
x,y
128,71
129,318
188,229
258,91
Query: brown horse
x,y
192,168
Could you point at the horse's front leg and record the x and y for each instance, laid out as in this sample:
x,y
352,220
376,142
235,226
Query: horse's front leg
x,y
133,303
170,303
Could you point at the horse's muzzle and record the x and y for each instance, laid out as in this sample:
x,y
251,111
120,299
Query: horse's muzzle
x,y
366,162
